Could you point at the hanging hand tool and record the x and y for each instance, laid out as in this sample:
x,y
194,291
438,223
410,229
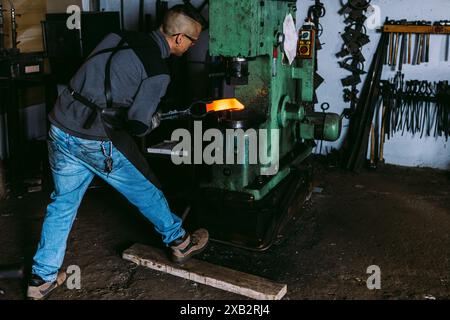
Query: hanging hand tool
x,y
409,47
447,41
391,46
396,49
355,37
386,61
356,67
427,53
445,23
416,49
421,47
447,47
372,164
383,136
402,53
424,49
405,48
416,107
356,146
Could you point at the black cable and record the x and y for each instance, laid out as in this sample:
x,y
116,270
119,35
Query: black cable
x,y
315,12
355,5
319,30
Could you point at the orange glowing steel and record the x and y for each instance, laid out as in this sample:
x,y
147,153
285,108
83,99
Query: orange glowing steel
x,y
225,104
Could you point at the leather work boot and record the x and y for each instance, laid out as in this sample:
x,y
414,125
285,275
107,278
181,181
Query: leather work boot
x,y
189,245
38,289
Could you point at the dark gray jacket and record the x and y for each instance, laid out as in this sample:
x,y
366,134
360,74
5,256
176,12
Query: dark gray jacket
x,y
131,85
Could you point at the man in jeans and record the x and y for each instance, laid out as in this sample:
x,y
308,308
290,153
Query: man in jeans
x,y
126,72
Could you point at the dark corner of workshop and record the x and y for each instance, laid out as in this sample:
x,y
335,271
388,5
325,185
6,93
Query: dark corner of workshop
x,y
224,150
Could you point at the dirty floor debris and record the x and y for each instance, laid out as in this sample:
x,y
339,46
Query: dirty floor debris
x,y
395,218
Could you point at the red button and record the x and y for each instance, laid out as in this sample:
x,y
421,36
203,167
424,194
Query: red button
x,y
304,50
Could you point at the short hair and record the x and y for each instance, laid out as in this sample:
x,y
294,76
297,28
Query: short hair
x,y
179,18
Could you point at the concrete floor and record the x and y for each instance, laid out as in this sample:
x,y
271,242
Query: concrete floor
x,y
395,218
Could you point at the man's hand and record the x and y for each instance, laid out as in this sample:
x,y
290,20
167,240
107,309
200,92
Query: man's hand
x,y
156,120
139,129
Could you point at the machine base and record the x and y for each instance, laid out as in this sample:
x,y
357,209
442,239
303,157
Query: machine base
x,y
235,219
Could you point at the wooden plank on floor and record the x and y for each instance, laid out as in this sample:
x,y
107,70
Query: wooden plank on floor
x,y
208,274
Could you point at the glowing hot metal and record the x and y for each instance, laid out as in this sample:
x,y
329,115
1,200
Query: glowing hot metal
x,y
225,104
215,106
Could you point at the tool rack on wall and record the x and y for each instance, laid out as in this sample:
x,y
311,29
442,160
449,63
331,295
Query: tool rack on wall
x,y
402,50
395,105
414,106
430,29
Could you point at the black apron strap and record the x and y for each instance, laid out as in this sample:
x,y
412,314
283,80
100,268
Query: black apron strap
x,y
108,50
108,93
94,108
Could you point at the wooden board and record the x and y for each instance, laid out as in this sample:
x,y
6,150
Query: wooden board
x,y
208,274
416,29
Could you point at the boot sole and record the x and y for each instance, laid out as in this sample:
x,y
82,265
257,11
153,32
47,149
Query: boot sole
x,y
62,277
183,260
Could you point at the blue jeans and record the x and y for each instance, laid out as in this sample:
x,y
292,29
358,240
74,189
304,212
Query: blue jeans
x,y
74,163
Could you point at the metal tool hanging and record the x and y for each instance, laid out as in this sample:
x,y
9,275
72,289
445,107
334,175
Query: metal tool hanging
x,y
356,144
421,108
355,37
417,107
409,41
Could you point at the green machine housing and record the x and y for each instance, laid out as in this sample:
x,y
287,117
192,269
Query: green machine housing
x,y
245,203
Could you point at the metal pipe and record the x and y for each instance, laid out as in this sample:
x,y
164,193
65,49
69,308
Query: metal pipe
x,y
141,16
2,30
13,25
122,15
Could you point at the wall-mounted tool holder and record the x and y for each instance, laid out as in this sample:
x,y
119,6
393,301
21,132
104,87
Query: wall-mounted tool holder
x,y
420,108
416,106
388,107
355,38
409,41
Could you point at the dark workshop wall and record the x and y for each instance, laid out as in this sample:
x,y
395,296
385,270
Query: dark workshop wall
x,y
402,150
